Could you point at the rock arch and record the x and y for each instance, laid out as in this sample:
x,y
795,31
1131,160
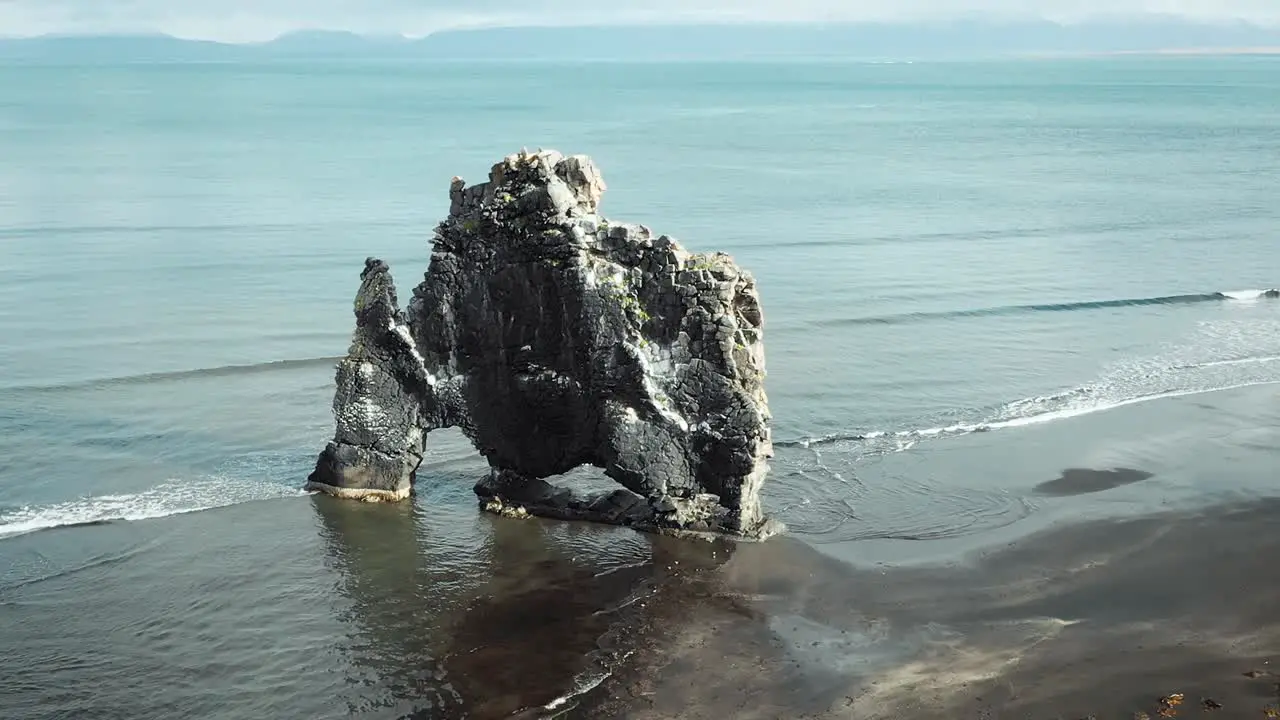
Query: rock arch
x,y
555,338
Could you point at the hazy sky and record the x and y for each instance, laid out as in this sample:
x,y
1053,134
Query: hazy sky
x,y
245,20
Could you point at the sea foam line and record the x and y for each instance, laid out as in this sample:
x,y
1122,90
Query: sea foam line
x,y
1235,361
1250,294
583,684
1035,419
173,497
896,318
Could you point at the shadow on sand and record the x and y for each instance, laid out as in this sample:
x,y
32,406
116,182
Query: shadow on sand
x,y
1082,481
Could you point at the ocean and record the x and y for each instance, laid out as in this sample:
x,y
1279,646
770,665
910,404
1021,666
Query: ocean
x,y
1002,299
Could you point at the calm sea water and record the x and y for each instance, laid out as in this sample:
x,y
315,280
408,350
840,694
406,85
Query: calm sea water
x,y
942,249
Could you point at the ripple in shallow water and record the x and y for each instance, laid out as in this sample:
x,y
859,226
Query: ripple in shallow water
x,y
820,498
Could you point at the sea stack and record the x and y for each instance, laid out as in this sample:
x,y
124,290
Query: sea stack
x,y
555,338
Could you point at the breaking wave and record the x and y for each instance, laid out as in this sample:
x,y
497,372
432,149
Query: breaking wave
x,y
1233,295
582,684
1021,421
817,490
173,497
1205,364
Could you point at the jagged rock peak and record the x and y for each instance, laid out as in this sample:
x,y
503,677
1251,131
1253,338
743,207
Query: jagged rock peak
x,y
555,338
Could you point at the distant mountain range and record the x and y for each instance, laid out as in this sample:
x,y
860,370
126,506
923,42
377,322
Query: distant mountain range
x,y
952,40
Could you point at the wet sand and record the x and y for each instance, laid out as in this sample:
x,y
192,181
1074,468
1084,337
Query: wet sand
x,y
1097,620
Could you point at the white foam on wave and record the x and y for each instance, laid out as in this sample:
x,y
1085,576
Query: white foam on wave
x,y
1071,412
1246,295
1043,417
583,684
1219,356
1232,361
172,497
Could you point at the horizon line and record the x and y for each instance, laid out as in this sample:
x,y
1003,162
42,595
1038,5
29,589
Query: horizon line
x,y
1136,19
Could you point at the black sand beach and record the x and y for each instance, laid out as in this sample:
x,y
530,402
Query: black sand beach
x,y
1146,584
1096,604
1159,606
1097,620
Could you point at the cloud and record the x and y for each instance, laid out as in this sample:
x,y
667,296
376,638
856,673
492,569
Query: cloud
x,y
248,20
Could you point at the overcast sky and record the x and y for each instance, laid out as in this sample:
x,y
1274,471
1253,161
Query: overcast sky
x,y
248,20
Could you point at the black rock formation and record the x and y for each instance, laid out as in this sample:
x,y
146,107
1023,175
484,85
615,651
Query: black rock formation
x,y
554,338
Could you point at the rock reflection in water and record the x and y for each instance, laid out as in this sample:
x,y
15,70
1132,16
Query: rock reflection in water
x,y
398,598
504,617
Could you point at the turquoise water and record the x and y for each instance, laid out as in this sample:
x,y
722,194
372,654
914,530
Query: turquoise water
x,y
941,249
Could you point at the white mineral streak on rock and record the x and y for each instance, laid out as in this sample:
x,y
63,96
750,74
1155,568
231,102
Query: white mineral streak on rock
x,y
658,396
407,337
658,374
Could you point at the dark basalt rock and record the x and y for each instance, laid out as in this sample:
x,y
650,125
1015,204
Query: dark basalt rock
x,y
554,338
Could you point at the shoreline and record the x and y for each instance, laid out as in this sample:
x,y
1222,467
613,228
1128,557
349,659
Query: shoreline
x,y
1095,614
1175,453
1123,586
1101,618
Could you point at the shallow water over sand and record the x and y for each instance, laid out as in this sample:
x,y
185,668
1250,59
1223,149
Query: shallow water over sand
x,y
308,606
